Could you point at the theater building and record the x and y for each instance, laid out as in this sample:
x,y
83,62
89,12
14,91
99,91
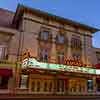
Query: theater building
x,y
50,54
97,66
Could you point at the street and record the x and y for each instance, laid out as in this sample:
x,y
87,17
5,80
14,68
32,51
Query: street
x,y
49,97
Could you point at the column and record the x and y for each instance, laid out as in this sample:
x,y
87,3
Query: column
x,y
42,85
30,83
83,50
17,75
86,91
66,85
69,56
94,85
53,49
55,86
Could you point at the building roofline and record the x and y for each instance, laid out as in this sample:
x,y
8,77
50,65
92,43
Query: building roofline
x,y
6,10
96,49
21,8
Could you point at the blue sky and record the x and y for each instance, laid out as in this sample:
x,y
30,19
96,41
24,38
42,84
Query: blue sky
x,y
83,11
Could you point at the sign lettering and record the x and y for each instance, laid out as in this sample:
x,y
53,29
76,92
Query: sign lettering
x,y
33,63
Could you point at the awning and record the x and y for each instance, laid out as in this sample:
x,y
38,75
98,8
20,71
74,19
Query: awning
x,y
97,66
5,72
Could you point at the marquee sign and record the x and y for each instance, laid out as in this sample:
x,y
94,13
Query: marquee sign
x,y
98,71
33,63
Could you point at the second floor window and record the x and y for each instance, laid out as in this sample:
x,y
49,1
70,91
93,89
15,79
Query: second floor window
x,y
43,55
76,42
44,35
77,56
60,39
61,58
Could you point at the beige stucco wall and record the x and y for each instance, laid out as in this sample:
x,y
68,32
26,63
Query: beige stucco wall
x,y
26,38
13,47
28,33
96,55
31,30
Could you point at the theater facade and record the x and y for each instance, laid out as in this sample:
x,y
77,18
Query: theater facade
x,y
49,55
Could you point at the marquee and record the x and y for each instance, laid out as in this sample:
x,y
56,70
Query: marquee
x,y
33,63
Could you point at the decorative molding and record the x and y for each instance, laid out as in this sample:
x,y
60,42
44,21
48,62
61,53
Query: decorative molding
x,y
56,26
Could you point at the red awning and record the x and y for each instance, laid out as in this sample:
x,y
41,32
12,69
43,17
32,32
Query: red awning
x,y
5,72
97,66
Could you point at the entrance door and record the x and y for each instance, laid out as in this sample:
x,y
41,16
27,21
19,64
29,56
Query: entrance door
x,y
47,86
43,86
36,86
77,86
61,86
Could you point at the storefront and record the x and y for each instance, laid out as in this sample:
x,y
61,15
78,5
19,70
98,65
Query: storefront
x,y
39,81
5,75
46,78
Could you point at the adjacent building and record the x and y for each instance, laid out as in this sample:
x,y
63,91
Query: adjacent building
x,y
46,54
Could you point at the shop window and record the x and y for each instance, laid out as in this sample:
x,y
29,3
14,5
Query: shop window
x,y
4,82
44,35
61,58
90,85
43,55
24,82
